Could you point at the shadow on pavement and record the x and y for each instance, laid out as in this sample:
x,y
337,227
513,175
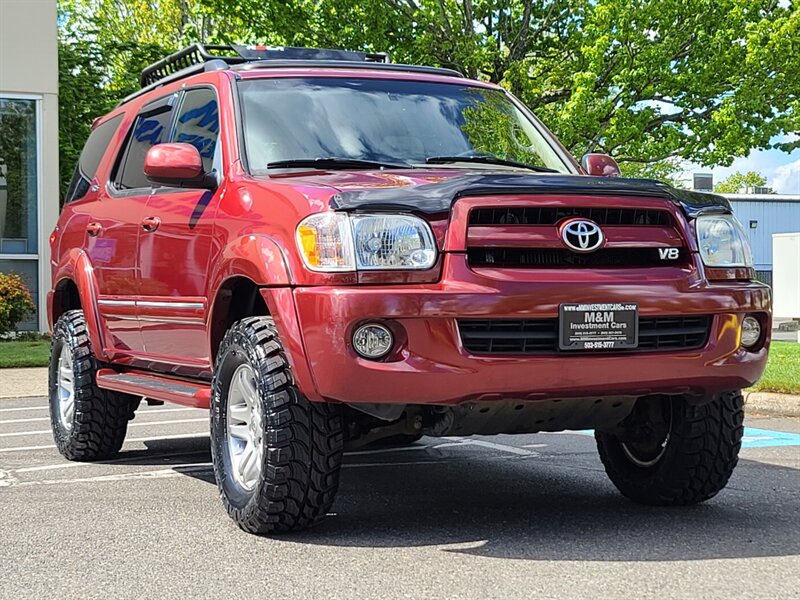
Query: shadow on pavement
x,y
559,508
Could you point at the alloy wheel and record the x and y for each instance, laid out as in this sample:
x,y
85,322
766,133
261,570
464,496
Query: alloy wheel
x,y
66,387
245,428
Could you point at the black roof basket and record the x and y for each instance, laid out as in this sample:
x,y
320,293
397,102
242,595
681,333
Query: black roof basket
x,y
194,58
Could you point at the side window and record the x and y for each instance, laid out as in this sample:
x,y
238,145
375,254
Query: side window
x,y
90,158
198,123
150,128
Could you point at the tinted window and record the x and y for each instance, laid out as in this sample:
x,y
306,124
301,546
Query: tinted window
x,y
151,128
387,120
198,123
90,158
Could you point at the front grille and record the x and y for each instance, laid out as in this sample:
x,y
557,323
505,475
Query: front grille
x,y
540,336
558,257
550,215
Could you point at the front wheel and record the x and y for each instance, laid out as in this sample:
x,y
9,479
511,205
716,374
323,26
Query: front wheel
x,y
669,452
276,455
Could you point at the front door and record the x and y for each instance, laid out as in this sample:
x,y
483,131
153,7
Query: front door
x,y
115,228
175,247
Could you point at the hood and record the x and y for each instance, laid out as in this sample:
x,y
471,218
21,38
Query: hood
x,y
432,191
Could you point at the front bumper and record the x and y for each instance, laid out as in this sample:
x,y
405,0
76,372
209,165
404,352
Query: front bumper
x,y
432,366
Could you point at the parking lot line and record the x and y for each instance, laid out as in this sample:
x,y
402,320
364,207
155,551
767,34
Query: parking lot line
x,y
44,431
180,470
138,413
383,450
115,461
156,438
492,445
173,471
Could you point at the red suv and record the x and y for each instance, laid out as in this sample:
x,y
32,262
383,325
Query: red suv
x,y
327,249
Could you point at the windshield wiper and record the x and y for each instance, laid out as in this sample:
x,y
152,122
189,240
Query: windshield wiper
x,y
334,162
486,159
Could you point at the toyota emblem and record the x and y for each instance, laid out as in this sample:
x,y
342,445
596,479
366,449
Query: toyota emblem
x,y
581,235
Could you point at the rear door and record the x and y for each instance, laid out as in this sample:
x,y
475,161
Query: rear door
x,y
175,251
117,224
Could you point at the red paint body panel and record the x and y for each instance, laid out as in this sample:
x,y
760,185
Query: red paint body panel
x,y
435,369
150,271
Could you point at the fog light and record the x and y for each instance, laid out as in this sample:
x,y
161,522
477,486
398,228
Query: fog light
x,y
372,340
751,331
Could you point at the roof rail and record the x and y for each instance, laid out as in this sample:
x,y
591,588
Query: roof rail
x,y
197,55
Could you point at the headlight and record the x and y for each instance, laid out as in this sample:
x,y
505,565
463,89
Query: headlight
x,y
723,242
334,241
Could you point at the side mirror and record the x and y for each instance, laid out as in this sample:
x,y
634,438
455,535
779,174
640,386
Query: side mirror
x,y
177,165
600,165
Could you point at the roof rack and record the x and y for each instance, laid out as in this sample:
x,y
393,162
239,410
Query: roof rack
x,y
198,55
199,58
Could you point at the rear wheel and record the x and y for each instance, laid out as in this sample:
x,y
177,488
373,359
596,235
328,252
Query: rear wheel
x,y
276,455
88,423
668,452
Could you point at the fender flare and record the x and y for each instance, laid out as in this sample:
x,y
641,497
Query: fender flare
x,y
76,267
257,257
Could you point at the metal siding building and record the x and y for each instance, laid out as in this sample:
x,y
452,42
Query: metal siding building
x,y
762,215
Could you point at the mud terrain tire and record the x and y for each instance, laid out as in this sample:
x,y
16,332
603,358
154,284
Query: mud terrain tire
x,y
299,443
700,453
93,425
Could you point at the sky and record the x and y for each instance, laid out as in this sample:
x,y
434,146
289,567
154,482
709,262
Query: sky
x,y
781,169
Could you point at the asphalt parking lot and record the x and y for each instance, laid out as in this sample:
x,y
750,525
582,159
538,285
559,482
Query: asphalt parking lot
x,y
488,517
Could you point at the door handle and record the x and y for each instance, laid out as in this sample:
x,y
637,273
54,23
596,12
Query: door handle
x,y
94,228
150,224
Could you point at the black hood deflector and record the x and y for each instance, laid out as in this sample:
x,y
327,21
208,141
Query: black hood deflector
x,y
433,198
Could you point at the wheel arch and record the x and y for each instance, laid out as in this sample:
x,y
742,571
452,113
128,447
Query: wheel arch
x,y
246,264
236,298
74,288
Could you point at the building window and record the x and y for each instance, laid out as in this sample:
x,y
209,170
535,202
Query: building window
x,y
19,194
18,177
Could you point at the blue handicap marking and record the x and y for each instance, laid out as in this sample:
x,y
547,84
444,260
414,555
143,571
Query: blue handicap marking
x,y
764,438
753,438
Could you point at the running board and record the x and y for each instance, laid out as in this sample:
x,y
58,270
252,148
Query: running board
x,y
156,387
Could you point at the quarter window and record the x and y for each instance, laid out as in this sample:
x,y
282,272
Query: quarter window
x,y
90,158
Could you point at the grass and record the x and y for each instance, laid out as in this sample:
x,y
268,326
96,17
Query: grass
x,y
782,375
24,353
783,369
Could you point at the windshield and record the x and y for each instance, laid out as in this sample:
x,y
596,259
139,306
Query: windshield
x,y
386,121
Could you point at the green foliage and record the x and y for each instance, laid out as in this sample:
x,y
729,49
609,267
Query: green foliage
x,y
650,82
82,96
739,182
492,129
783,369
668,170
16,303
19,353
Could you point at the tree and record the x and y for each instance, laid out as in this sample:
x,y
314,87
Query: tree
x,y
739,182
650,82
82,96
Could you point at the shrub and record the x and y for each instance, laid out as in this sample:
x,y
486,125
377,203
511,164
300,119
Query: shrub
x,y
16,303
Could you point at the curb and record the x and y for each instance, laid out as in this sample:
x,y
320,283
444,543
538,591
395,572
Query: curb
x,y
775,405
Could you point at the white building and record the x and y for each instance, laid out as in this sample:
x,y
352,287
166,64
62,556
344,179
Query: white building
x,y
29,177
763,215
